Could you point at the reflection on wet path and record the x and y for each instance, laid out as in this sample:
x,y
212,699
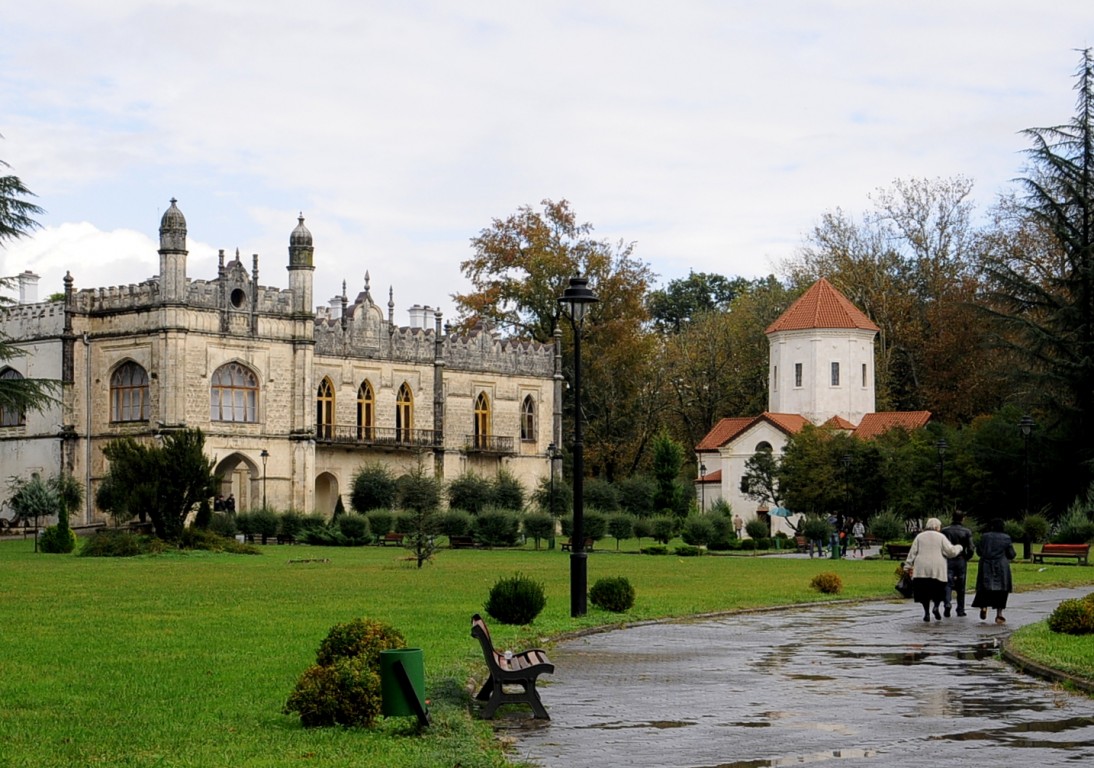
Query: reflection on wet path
x,y
864,683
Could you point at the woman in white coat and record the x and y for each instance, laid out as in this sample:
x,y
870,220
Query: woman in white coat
x,y
926,562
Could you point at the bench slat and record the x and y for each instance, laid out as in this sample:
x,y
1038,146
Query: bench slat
x,y
519,671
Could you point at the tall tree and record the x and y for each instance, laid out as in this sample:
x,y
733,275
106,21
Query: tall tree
x,y
17,212
520,267
673,307
1043,297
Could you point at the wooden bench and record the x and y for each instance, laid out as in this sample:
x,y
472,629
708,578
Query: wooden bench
x,y
509,671
461,542
391,538
898,551
566,545
801,543
1081,552
286,538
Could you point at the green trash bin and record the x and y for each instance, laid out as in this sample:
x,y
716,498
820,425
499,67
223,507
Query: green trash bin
x,y
394,700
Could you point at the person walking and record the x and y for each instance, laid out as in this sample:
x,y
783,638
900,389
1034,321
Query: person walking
x,y
738,526
993,579
926,562
858,536
958,566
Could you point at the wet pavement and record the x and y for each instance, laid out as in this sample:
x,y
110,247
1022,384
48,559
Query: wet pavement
x,y
858,684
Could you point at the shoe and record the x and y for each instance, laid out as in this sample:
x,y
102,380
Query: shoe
x,y
937,615
983,614
960,613
946,612
926,617
1000,620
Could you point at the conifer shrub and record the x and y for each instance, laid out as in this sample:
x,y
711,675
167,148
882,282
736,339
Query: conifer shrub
x,y
57,540
112,542
516,600
828,583
1073,617
343,686
613,593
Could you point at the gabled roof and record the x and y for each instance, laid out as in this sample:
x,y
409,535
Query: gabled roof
x,y
729,429
711,477
874,424
822,306
838,422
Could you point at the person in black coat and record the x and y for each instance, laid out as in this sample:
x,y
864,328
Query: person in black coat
x,y
993,580
958,566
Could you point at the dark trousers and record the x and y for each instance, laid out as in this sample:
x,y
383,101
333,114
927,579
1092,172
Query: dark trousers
x,y
957,567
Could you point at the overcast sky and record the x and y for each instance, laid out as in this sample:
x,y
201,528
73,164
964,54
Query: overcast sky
x,y
713,134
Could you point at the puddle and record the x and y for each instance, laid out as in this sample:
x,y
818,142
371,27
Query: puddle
x,y
619,726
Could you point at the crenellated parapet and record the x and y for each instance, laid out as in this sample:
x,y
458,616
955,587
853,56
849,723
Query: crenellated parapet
x,y
32,321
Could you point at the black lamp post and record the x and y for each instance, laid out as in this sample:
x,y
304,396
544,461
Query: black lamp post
x,y
703,487
942,445
575,302
1025,426
264,455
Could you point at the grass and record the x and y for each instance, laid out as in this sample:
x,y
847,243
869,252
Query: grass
x,y
187,659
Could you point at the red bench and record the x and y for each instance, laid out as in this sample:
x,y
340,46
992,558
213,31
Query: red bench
x,y
1081,552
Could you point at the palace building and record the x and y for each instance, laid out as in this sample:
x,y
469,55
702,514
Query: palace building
x,y
292,399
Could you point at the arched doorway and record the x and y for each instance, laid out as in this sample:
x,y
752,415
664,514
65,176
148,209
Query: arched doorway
x,y
326,493
240,479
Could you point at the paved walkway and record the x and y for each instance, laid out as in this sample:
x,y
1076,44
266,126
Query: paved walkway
x,y
858,684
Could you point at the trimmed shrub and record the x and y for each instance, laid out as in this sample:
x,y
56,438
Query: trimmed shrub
x,y
1035,527
757,528
497,528
112,542
1073,617
507,491
244,523
354,528
613,593
664,528
516,600
223,525
292,523
596,524
373,488
643,528
621,526
828,583
655,550
264,523
381,521
470,492
563,498
201,539
454,522
359,637
57,540
566,522
697,531
687,550
538,526
343,687
636,495
722,534
601,494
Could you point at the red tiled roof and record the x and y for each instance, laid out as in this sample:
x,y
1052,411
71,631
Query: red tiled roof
x,y
838,422
822,306
728,429
874,424
722,432
711,477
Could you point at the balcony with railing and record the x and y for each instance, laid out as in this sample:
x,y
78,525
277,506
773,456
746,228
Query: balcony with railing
x,y
387,437
488,444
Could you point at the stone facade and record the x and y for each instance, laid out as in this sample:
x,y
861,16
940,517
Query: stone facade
x,y
321,392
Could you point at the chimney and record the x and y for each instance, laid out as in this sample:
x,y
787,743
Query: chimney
x,y
28,288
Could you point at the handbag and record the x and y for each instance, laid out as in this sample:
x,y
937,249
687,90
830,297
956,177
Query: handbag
x,y
904,586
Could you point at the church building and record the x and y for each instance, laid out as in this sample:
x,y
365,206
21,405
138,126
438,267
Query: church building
x,y
292,399
821,372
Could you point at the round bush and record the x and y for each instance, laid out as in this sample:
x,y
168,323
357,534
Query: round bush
x,y
698,530
497,528
380,521
614,594
516,600
887,526
354,527
538,525
828,583
345,692
757,528
664,528
56,540
1073,617
454,522
360,637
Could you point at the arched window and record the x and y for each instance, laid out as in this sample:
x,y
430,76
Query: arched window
x,y
482,421
233,394
129,393
324,409
10,416
404,414
528,419
366,412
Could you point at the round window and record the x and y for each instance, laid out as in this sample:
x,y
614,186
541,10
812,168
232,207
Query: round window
x,y
238,297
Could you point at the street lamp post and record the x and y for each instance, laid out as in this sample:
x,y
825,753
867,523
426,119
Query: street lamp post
x,y
552,455
1025,426
941,445
575,301
264,455
703,487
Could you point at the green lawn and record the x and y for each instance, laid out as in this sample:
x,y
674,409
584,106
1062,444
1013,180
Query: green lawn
x,y
187,659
